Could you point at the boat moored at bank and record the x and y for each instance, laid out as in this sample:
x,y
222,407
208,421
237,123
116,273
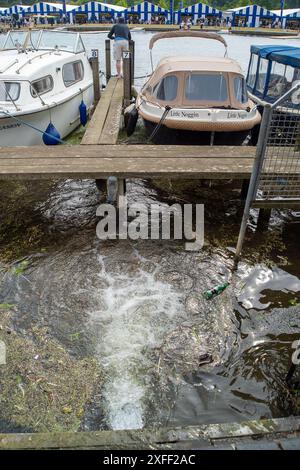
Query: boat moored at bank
x,y
196,99
273,72
46,85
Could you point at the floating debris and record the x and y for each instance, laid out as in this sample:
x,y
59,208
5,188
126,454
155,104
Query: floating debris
x,y
209,294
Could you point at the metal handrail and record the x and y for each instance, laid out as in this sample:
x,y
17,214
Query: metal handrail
x,y
259,161
29,61
9,65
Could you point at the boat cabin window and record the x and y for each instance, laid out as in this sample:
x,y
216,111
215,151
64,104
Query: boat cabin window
x,y
166,89
252,71
240,90
41,86
72,72
262,75
280,81
9,91
206,87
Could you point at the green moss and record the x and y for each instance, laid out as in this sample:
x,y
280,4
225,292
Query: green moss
x,y
76,137
22,226
43,388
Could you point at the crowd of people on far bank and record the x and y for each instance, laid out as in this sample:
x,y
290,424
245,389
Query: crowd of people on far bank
x,y
18,21
185,22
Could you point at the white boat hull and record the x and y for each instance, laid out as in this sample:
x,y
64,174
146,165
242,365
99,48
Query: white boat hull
x,y
64,116
200,120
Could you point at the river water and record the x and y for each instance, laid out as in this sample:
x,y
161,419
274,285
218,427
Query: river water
x,y
137,306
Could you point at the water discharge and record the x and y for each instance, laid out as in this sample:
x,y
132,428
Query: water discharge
x,y
133,319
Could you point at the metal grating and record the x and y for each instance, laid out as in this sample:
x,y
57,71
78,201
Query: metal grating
x,y
279,178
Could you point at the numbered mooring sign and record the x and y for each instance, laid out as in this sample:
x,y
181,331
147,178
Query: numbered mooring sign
x,y
126,55
95,53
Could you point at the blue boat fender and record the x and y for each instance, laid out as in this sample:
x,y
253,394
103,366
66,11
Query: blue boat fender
x,y
83,113
51,136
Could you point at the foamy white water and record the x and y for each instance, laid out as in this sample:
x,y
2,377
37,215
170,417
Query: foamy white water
x,y
135,313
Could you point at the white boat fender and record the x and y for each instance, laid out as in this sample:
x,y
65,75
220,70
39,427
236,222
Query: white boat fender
x,y
130,119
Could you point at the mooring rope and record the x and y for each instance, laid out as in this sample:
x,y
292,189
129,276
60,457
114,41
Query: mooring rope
x,y
143,76
160,123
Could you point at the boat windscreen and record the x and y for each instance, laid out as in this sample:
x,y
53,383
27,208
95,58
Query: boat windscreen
x,y
206,87
282,78
252,71
61,40
14,39
262,75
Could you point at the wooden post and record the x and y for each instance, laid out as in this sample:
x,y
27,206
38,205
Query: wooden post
x,y
127,78
263,219
94,61
107,60
132,50
121,191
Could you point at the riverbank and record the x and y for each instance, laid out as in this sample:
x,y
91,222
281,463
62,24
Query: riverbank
x,y
44,388
92,27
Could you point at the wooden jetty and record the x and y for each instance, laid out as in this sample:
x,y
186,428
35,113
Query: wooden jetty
x,y
125,161
104,126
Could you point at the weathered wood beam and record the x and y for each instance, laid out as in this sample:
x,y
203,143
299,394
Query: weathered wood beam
x,y
141,161
98,120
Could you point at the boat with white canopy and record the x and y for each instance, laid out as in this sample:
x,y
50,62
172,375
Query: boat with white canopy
x,y
196,99
46,87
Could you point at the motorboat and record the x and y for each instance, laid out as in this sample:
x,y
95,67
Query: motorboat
x,y
46,87
274,71
196,99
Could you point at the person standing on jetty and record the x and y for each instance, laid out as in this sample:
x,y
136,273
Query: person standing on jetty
x,y
121,34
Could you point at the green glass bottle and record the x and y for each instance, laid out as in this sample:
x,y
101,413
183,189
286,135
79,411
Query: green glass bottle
x,y
209,294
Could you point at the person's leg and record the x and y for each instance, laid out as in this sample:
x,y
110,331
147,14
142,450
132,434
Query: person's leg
x,y
119,68
118,57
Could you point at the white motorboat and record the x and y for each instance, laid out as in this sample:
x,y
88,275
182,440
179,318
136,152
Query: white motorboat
x,y
196,99
46,86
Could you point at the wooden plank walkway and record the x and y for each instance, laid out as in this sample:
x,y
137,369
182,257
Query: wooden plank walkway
x,y
105,123
126,161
